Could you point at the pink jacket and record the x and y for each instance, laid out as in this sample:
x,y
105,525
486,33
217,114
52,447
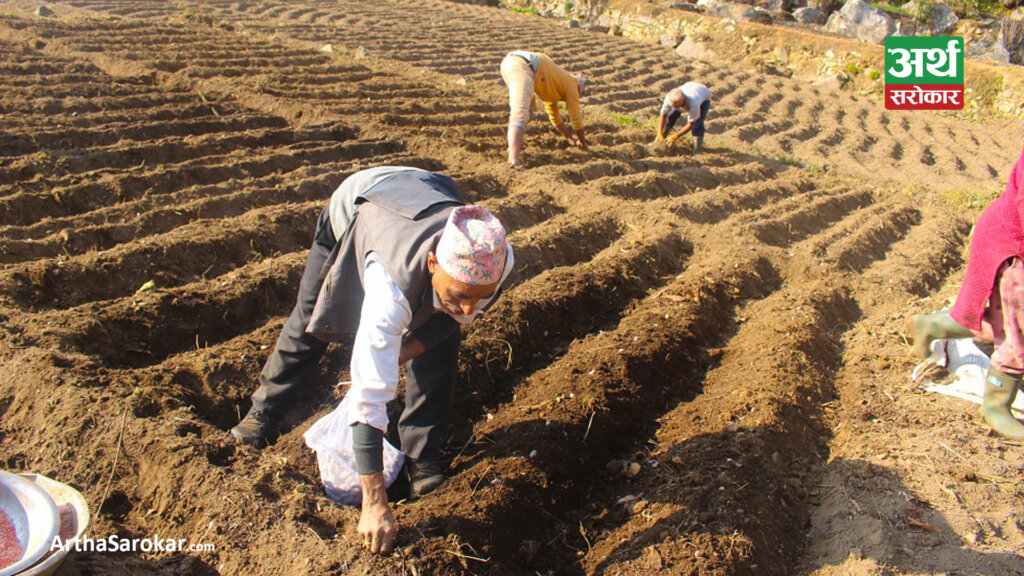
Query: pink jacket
x,y
997,237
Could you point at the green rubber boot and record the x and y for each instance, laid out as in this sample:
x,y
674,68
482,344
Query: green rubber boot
x,y
1000,390
923,329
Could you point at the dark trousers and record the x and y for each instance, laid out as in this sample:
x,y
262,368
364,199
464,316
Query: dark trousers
x,y
698,125
430,386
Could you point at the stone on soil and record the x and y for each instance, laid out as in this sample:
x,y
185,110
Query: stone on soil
x,y
935,19
809,15
755,15
690,48
1011,35
859,19
774,6
670,40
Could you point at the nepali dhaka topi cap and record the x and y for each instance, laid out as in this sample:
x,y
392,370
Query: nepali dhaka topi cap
x,y
472,247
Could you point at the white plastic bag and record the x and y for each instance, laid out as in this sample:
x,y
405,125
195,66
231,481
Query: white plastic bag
x,y
962,358
331,438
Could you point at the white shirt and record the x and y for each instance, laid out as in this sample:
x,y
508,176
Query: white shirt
x,y
696,94
384,318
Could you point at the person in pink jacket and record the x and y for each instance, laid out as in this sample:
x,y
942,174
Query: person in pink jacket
x,y
990,305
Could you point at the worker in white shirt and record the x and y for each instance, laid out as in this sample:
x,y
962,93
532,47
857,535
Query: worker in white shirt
x,y
400,261
692,98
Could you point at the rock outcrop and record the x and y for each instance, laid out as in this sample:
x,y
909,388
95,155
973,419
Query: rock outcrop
x,y
860,20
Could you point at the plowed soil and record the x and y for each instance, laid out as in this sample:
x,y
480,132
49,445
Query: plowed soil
x,y
698,371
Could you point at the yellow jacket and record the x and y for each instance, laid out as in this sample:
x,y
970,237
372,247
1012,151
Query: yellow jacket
x,y
552,85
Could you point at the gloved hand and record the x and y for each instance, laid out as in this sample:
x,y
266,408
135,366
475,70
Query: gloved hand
x,y
671,140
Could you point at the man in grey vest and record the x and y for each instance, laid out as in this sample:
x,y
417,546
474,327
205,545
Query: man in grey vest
x,y
400,261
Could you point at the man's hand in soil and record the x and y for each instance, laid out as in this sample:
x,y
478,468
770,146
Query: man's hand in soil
x,y
581,139
376,523
567,135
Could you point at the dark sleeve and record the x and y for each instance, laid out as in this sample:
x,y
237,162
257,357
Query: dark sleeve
x,y
434,330
368,446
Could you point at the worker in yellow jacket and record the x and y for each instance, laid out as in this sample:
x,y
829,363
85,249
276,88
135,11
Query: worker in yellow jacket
x,y
531,73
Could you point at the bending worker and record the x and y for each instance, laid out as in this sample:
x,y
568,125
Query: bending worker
x,y
400,261
695,100
990,305
529,73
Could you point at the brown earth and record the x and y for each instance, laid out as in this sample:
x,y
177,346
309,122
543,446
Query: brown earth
x,y
729,323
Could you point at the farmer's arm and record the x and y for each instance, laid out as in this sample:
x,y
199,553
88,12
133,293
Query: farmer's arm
x,y
556,120
690,119
694,115
384,316
572,104
581,138
682,131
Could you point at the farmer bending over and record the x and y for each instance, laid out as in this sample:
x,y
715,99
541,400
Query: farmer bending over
x,y
400,261
695,100
529,73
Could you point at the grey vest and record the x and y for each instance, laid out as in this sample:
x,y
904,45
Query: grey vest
x,y
400,219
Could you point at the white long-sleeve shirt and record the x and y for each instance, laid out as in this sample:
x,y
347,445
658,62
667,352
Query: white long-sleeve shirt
x,y
384,316
696,94
384,319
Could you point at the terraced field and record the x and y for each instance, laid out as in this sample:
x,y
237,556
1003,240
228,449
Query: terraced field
x,y
161,168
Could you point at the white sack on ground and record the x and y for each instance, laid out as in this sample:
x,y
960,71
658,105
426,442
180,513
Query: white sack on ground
x,y
967,364
331,438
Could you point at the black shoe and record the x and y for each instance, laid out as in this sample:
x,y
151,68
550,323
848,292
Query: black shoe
x,y
424,476
253,429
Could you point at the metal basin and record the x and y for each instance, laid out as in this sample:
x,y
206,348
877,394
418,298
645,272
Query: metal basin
x,y
34,516
70,503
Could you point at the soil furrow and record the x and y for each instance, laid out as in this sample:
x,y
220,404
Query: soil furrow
x,y
26,208
540,317
796,225
144,329
730,470
171,259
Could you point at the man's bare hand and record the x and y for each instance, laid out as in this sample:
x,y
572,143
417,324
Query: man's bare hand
x,y
376,523
377,527
581,139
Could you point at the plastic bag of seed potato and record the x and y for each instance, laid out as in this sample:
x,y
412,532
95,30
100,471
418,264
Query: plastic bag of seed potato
x,y
331,438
